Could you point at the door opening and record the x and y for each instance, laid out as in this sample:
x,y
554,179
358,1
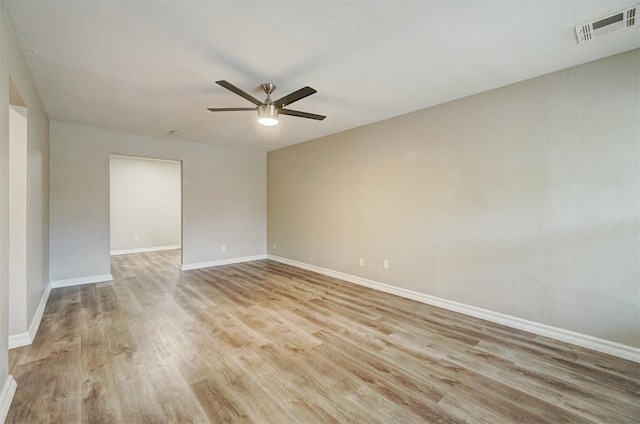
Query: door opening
x,y
18,116
145,205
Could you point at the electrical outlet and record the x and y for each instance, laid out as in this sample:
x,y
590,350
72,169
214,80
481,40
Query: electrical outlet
x,y
136,238
223,248
385,264
361,261
274,246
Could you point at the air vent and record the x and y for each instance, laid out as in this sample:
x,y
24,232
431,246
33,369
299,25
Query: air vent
x,y
607,25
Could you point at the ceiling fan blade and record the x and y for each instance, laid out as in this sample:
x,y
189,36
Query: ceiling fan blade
x,y
229,109
301,114
239,92
294,97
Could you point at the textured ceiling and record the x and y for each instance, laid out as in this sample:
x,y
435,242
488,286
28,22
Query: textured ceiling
x,y
150,67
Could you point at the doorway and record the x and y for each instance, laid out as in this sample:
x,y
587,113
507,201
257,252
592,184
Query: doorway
x,y
18,116
145,205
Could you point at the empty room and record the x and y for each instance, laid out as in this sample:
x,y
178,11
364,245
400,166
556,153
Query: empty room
x,y
319,211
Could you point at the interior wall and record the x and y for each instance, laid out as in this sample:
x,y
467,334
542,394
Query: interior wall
x,y
223,197
4,196
523,200
145,203
18,319
13,65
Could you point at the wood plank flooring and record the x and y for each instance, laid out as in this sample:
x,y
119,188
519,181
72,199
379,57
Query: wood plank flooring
x,y
263,342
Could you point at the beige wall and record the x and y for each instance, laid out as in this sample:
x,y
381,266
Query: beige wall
x,y
522,200
224,197
144,203
13,65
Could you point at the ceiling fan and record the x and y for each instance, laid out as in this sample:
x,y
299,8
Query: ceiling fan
x,y
269,110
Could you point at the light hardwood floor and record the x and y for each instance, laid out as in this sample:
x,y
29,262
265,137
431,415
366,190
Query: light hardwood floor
x,y
264,342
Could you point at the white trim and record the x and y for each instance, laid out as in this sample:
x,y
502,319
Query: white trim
x,y
25,339
144,158
6,396
187,267
19,340
81,280
145,249
600,345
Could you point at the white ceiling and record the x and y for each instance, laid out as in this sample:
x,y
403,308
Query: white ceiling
x,y
149,67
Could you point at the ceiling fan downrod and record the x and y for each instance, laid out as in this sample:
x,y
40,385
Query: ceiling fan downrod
x,y
268,88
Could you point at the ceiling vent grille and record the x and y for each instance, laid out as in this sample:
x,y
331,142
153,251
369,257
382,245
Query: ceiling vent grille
x,y
607,25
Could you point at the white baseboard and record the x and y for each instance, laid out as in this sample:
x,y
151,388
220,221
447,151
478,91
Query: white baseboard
x,y
19,340
187,267
6,396
145,249
600,345
25,339
81,280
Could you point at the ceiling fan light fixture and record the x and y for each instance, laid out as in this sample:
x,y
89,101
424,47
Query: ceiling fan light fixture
x,y
267,115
